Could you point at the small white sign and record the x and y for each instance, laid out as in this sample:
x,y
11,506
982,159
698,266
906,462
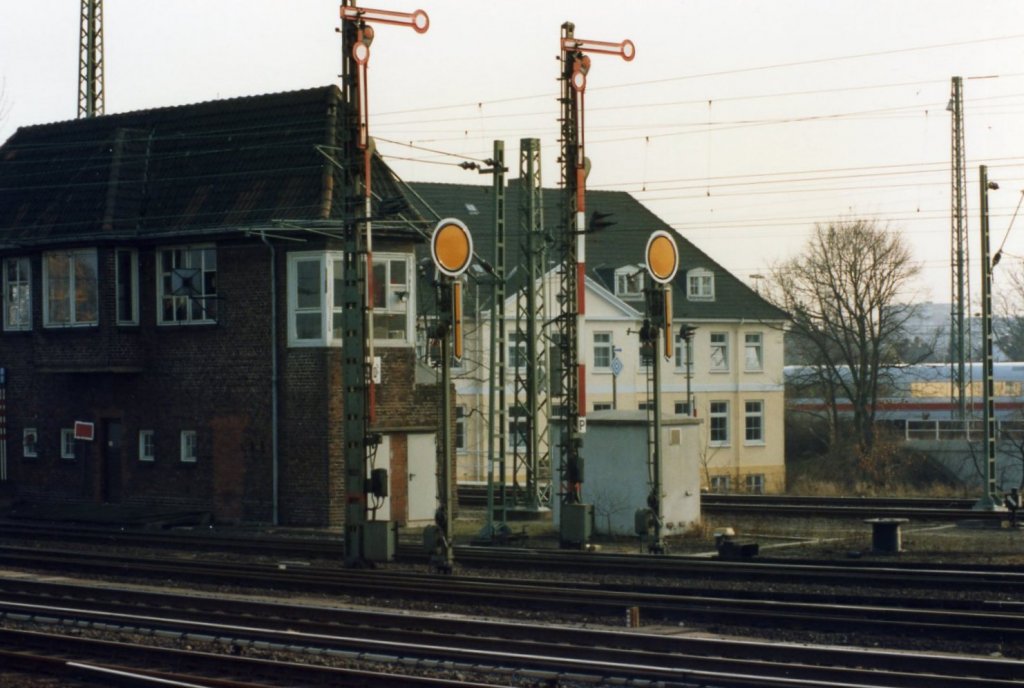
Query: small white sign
x,y
616,366
375,370
581,425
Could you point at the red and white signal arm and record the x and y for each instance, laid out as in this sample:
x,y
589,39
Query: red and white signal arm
x,y
451,246
662,257
85,431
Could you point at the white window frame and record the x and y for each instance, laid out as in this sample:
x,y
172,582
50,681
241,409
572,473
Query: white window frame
x,y
147,445
127,286
76,315
198,307
67,443
719,353
753,419
700,285
398,298
753,345
754,483
517,352
683,351
721,414
629,281
30,443
326,312
460,429
679,408
17,294
189,446
603,346
718,482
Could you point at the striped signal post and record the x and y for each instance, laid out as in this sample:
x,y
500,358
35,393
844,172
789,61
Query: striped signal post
x,y
661,257
451,247
575,63
357,284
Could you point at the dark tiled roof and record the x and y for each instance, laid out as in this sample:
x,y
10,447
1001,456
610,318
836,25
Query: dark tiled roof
x,y
207,167
616,246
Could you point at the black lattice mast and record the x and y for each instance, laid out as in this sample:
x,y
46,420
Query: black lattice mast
x,y
575,63
357,282
531,472
90,59
960,295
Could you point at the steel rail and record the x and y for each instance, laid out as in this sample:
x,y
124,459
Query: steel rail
x,y
325,619
850,572
547,595
70,656
599,663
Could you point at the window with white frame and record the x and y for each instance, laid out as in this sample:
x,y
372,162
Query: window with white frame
x,y
646,354
188,446
700,285
755,483
187,285
518,428
753,351
126,263
71,289
17,294
721,484
29,443
392,294
516,351
147,445
460,428
603,352
629,281
602,406
314,298
719,352
753,413
682,408
67,443
683,353
718,423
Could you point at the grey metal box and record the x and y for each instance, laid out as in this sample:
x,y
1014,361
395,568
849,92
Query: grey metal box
x,y
379,538
576,523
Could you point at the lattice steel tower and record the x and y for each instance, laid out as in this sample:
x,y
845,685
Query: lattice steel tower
x,y
90,59
960,295
531,474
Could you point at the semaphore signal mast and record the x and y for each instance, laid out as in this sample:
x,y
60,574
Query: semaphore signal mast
x,y
575,63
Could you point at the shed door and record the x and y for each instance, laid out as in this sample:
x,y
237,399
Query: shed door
x,y
422,477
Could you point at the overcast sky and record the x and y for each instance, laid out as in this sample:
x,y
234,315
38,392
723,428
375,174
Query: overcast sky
x,y
740,123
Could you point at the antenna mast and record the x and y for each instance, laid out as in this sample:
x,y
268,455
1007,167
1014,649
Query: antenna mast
x,y
90,59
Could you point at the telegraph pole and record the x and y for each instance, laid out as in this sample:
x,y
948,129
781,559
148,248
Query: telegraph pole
x,y
90,59
576,517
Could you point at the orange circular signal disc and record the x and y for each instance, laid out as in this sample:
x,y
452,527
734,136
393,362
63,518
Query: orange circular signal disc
x,y
420,21
451,247
360,52
662,257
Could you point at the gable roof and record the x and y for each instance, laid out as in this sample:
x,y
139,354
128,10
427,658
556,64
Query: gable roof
x,y
184,170
616,246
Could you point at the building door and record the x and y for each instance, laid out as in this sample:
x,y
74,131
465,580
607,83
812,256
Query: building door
x,y
110,478
422,463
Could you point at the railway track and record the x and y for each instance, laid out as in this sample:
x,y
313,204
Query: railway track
x,y
944,509
558,655
994,621
855,572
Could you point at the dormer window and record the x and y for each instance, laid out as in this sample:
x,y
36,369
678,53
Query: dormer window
x,y
700,285
629,282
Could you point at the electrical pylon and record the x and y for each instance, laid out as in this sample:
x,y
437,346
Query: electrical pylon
x,y
960,295
90,59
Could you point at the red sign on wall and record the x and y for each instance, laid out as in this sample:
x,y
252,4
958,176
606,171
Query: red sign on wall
x,y
84,431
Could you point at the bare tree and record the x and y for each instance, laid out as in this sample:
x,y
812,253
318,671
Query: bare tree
x,y
1009,326
843,293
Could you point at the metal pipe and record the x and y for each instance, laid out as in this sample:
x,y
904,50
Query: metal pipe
x,y
274,456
